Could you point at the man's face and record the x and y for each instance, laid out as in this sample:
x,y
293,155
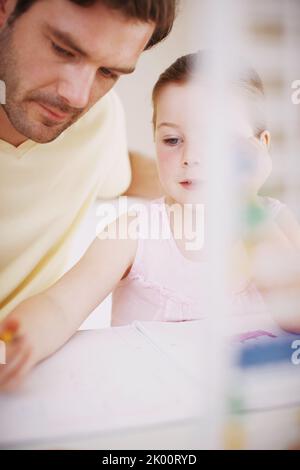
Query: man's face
x,y
58,59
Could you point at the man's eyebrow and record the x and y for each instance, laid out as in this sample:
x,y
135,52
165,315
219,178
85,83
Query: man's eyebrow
x,y
168,124
122,70
67,39
70,42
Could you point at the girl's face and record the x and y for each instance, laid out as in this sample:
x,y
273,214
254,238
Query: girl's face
x,y
181,131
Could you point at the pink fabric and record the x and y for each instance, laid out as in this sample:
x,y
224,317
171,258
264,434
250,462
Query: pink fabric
x,y
163,285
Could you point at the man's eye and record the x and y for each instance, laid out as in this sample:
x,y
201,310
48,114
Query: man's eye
x,y
107,73
62,52
172,141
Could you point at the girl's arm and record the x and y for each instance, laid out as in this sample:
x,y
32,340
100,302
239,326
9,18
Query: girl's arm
x,y
43,323
283,260
289,226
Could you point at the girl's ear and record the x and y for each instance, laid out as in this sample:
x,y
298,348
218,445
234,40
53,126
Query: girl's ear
x,y
6,9
265,139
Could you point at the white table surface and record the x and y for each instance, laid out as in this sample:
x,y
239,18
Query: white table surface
x,y
154,406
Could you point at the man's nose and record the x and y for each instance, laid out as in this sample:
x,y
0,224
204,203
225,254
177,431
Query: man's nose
x,y
76,86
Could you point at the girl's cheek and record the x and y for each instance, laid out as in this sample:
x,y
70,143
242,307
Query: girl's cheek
x,y
164,166
260,172
264,169
166,157
166,170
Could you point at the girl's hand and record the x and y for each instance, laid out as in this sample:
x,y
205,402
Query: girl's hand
x,y
19,355
277,275
252,164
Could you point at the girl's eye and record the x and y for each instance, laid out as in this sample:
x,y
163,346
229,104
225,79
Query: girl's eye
x,y
107,73
172,141
62,52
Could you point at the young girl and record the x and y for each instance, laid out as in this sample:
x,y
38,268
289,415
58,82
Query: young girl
x,y
154,276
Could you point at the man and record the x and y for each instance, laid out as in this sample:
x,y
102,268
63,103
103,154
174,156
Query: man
x,y
62,132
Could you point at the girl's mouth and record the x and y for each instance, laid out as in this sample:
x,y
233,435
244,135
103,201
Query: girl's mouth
x,y
190,185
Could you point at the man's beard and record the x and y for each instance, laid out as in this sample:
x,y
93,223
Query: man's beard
x,y
43,130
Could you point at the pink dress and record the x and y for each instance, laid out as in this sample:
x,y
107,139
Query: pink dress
x,y
163,285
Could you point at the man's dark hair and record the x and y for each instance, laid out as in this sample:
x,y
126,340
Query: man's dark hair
x,y
161,12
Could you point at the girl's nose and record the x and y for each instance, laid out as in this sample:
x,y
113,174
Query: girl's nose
x,y
190,159
191,155
189,163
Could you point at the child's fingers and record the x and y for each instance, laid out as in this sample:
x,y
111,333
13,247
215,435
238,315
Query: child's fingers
x,y
11,323
10,326
13,381
16,353
17,374
14,370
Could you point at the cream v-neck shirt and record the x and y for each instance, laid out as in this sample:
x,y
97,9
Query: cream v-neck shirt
x,y
45,191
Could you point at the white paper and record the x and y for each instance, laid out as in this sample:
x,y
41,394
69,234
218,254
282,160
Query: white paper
x,y
186,344
100,381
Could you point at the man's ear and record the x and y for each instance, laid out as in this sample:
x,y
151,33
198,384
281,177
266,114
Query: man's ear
x,y
265,139
6,9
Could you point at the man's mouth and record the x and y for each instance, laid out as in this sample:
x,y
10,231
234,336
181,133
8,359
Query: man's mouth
x,y
53,114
